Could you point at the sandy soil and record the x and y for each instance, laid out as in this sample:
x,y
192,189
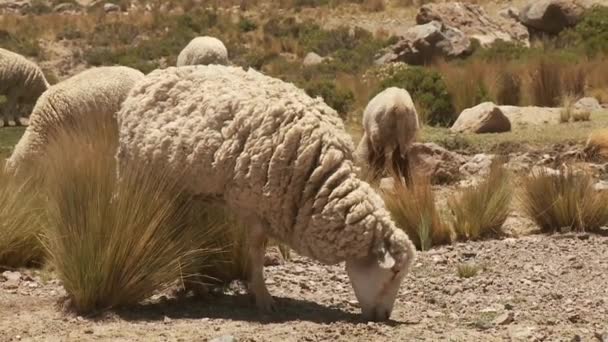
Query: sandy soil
x,y
537,288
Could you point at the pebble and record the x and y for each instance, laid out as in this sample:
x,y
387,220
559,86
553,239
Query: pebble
x,y
167,320
504,319
224,338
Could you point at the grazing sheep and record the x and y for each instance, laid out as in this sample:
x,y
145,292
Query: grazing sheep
x,y
203,51
390,123
21,81
94,92
279,159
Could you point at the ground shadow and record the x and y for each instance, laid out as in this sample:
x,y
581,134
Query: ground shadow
x,y
237,308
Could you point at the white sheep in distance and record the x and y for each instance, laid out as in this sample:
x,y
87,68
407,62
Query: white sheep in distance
x,y
21,81
280,160
94,92
203,51
390,124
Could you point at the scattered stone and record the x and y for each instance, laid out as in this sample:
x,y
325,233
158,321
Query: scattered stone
x,y
473,20
64,7
224,338
508,306
521,333
312,59
109,8
576,338
504,319
12,276
601,336
436,162
509,13
478,165
589,104
167,320
88,331
574,318
551,16
602,185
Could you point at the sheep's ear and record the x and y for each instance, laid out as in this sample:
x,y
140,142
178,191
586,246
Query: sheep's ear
x,y
385,259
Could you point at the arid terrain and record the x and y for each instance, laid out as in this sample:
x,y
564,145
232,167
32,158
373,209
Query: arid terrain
x,y
526,283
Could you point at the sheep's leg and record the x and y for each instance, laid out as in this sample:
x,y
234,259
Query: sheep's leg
x,y
257,286
10,107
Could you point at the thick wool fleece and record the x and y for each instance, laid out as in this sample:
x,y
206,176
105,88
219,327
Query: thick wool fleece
x,y
94,92
21,80
203,51
268,150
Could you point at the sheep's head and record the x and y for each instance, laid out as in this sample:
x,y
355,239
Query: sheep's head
x,y
377,277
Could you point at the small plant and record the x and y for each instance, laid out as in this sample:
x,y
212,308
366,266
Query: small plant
x,y
413,209
115,241
480,211
467,270
21,219
567,109
566,201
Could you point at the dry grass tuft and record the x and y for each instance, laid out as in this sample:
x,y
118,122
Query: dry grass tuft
x,y
545,83
21,219
564,202
480,211
413,209
467,270
114,242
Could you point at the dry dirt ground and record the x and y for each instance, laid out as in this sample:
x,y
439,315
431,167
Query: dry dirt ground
x,y
536,288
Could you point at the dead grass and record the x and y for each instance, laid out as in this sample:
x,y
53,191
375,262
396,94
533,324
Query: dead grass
x,y
414,210
467,270
114,242
481,210
21,220
564,202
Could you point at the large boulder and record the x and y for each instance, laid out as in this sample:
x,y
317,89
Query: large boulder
x,y
474,22
551,16
531,115
312,59
483,118
434,161
588,104
423,43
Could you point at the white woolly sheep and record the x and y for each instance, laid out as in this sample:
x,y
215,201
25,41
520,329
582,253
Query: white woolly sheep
x,y
279,159
203,51
390,123
21,81
94,92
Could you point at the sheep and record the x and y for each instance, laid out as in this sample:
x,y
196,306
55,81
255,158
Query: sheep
x,y
21,81
279,159
390,124
94,92
202,51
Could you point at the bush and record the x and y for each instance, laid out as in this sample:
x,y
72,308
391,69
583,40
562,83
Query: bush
x,y
339,99
591,34
428,90
247,25
566,201
413,209
21,219
480,211
115,242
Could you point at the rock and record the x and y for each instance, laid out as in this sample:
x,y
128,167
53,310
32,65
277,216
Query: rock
x,y
167,320
520,333
551,16
483,118
64,7
436,162
312,59
601,336
504,319
602,185
224,338
423,43
478,165
589,104
16,6
531,115
474,22
387,184
509,13
110,7
11,276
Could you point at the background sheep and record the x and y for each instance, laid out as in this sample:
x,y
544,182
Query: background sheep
x,y
22,82
279,159
94,92
390,123
203,51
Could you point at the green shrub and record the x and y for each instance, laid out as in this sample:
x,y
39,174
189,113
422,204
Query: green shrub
x,y
591,34
247,25
502,51
427,89
25,43
339,99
